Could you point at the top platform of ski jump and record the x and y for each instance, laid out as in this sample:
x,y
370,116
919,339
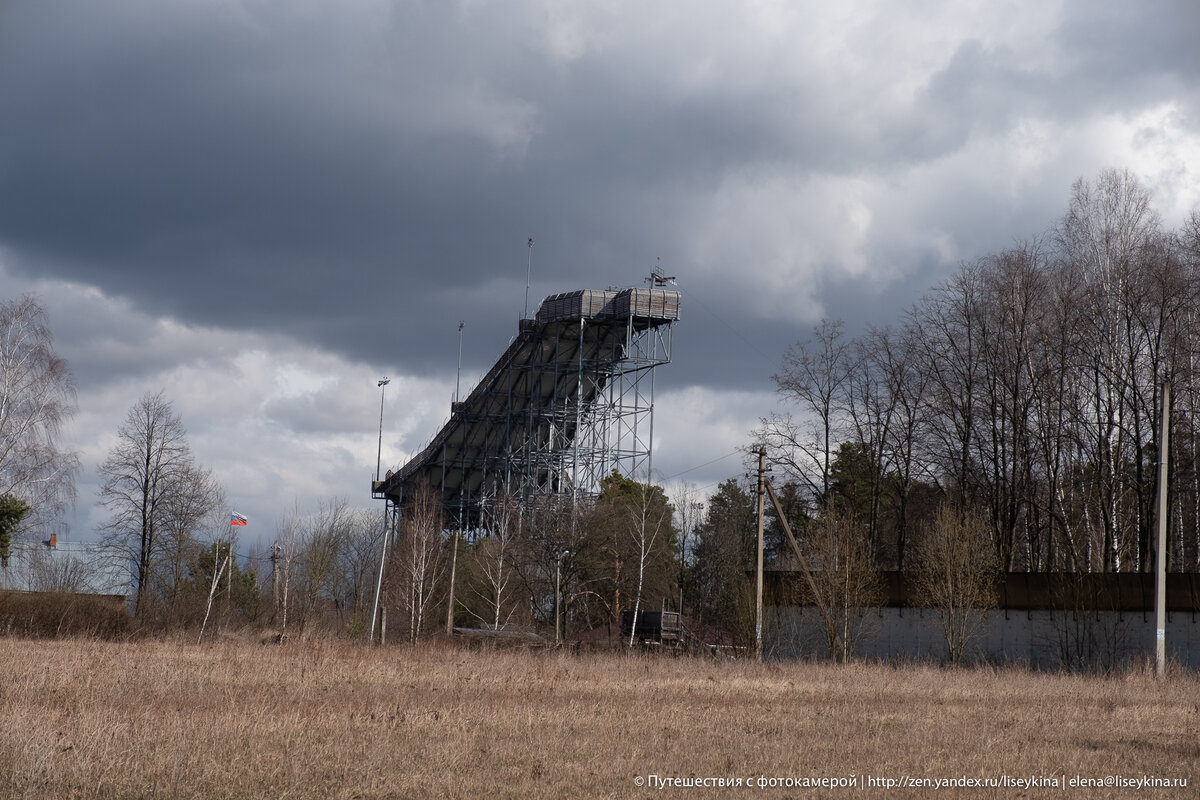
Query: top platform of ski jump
x,y
564,405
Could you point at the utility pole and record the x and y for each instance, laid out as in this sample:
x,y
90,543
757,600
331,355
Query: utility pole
x,y
1160,577
758,569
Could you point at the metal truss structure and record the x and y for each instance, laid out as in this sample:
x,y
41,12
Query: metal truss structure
x,y
570,401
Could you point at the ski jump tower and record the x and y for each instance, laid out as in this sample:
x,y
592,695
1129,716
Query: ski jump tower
x,y
569,401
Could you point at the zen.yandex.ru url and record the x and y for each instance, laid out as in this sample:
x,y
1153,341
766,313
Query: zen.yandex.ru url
x,y
1025,782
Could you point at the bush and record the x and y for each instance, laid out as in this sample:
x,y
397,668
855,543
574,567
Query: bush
x,y
50,614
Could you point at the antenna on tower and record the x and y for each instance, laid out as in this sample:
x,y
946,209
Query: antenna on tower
x,y
658,278
528,273
458,377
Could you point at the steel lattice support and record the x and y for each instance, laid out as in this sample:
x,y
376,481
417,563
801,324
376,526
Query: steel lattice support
x,y
570,401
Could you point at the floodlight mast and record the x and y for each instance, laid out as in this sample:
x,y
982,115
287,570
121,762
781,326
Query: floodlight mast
x,y
382,384
379,454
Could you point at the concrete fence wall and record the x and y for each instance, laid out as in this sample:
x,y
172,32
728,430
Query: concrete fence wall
x,y
1039,638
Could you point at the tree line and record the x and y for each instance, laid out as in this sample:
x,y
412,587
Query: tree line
x,y
1015,407
578,564
1024,389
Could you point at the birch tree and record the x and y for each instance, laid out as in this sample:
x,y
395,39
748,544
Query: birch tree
x,y
37,397
493,558
417,561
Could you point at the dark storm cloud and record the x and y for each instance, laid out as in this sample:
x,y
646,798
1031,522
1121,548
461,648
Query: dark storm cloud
x,y
255,169
362,176
262,207
220,170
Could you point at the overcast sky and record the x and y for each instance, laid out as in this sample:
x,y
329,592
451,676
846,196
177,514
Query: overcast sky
x,y
262,208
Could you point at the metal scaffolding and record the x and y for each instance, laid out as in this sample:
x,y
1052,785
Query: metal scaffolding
x,y
570,401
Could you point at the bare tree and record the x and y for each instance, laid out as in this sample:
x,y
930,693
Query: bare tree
x,y
1023,387
688,508
59,572
357,565
846,581
814,377
551,526
287,554
324,567
1105,228
222,564
648,519
897,357
951,329
957,574
37,396
417,561
193,515
149,462
492,561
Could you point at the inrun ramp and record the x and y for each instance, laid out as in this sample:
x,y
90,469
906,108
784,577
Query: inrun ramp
x,y
570,401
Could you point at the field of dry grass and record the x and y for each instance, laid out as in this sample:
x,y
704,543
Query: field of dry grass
x,y
84,719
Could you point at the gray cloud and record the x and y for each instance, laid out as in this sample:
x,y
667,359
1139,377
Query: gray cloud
x,y
352,179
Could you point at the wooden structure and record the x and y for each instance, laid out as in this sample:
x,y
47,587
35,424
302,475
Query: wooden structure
x,y
660,627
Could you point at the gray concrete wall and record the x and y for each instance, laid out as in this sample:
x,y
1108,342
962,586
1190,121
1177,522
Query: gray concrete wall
x,y
1040,639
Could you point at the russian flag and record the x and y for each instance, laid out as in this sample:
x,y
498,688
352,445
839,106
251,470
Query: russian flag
x,y
237,519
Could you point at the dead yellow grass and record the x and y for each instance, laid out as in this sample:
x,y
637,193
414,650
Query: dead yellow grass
x,y
81,719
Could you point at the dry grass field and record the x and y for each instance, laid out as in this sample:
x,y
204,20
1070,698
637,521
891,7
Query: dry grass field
x,y
89,719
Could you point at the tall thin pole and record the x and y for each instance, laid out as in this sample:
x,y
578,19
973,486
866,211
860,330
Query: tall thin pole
x,y
383,554
453,569
275,582
1160,578
379,579
458,377
528,276
558,596
379,454
758,569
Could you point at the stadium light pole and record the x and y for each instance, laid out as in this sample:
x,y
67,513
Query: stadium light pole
x,y
383,556
379,454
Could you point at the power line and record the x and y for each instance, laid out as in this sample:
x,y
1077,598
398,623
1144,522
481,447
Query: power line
x,y
701,466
